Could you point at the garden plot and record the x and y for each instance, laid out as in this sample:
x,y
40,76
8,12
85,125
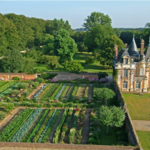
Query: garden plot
x,y
38,125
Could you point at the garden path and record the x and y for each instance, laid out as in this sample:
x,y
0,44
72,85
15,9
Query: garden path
x,y
90,93
12,114
54,128
142,125
86,126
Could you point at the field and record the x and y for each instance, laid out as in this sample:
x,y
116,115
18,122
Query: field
x,y
139,106
45,125
81,57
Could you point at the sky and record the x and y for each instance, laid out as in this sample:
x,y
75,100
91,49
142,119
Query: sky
x,y
124,14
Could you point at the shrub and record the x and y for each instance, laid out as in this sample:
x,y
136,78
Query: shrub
x,y
2,115
25,94
15,78
35,84
48,75
23,85
73,66
8,107
40,80
1,104
89,61
102,75
15,92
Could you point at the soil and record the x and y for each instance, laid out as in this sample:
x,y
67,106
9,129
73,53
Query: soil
x,y
86,126
55,126
9,117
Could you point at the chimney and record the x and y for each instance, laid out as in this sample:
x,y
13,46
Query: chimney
x,y
126,45
115,52
142,46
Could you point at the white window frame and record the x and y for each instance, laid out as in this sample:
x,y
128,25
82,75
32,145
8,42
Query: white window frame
x,y
125,84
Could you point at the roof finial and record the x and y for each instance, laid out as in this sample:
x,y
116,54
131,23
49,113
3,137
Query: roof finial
x,y
149,39
133,35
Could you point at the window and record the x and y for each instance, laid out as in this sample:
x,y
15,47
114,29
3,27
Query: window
x,y
142,71
138,84
126,60
125,73
125,84
136,72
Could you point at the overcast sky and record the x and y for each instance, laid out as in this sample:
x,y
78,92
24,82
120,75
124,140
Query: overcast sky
x,y
126,14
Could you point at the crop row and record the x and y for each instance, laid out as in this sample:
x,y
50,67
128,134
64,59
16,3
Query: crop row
x,y
56,91
10,130
36,137
25,127
61,90
66,125
58,129
6,86
9,89
2,83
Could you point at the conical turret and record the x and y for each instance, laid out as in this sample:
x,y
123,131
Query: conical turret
x,y
133,48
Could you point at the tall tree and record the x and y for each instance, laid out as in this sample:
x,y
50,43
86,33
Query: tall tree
x,y
107,49
96,18
96,35
12,62
64,46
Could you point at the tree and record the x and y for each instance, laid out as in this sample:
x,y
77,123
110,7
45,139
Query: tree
x,y
96,35
23,85
32,54
73,66
12,62
117,32
107,49
111,116
28,66
103,94
97,18
64,46
53,62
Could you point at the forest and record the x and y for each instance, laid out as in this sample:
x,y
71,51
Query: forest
x,y
54,43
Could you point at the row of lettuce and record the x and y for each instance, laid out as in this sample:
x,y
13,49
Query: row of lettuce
x,y
45,125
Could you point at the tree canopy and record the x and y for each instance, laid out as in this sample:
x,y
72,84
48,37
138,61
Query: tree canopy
x,y
64,46
97,18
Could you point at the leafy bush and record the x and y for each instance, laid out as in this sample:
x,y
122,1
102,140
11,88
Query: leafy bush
x,y
8,107
35,84
73,66
25,94
2,115
102,75
15,92
89,61
48,75
23,85
15,78
1,104
40,80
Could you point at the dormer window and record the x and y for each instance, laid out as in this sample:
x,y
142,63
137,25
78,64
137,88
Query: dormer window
x,y
126,60
142,71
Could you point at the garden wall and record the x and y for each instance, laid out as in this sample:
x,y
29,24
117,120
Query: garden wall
x,y
47,146
129,125
9,76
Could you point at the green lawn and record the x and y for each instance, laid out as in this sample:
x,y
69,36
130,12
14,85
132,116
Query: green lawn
x,y
81,57
139,106
144,137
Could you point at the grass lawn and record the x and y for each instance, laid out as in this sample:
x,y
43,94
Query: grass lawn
x,y
139,106
81,57
144,137
109,139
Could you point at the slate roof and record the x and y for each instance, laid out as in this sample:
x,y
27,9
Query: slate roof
x,y
121,54
133,48
147,51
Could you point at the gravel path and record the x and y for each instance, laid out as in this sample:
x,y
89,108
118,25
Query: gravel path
x,y
55,126
86,126
141,125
